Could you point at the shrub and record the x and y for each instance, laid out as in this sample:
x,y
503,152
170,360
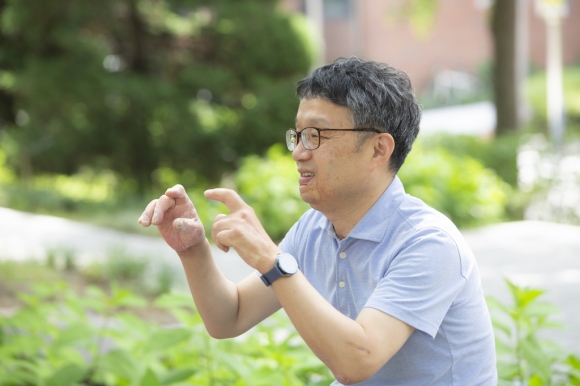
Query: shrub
x,y
61,338
459,186
270,186
499,154
523,358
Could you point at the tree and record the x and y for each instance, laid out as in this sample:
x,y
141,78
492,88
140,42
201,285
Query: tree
x,y
508,59
506,79
134,85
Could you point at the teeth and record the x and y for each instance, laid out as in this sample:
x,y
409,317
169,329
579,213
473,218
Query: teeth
x,y
307,174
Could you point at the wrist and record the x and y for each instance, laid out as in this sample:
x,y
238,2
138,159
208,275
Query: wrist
x,y
198,249
285,265
267,261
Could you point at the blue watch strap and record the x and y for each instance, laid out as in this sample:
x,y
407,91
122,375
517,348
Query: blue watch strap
x,y
285,265
269,277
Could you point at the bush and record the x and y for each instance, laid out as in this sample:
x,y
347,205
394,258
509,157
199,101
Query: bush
x,y
147,84
270,186
457,185
523,358
499,154
60,338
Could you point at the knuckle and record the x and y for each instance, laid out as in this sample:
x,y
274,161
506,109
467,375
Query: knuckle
x,y
236,232
247,213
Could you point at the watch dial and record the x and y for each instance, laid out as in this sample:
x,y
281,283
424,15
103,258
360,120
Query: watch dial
x,y
288,263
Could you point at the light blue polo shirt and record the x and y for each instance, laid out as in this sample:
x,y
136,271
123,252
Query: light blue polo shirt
x,y
409,261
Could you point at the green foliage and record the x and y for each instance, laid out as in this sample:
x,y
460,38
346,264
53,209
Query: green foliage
x,y
136,85
270,186
61,338
524,358
499,154
536,88
421,15
135,272
457,185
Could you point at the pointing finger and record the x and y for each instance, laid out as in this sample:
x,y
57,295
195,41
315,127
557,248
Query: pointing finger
x,y
230,198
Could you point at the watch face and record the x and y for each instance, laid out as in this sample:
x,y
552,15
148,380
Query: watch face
x,y
287,263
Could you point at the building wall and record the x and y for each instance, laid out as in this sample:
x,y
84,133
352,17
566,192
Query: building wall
x,y
459,39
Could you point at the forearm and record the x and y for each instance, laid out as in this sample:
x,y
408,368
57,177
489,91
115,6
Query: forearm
x,y
341,343
215,297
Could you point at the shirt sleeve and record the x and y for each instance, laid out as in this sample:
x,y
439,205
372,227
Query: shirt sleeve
x,y
422,281
287,243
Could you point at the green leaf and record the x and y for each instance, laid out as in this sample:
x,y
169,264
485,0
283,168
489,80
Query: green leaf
x,y
534,354
573,361
538,309
121,364
507,369
175,300
149,379
126,298
535,380
493,303
164,339
504,382
501,325
73,334
176,375
66,375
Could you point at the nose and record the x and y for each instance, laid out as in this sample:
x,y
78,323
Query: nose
x,y
300,153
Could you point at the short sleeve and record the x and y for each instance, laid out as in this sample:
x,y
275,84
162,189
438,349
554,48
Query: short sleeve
x,y
288,243
422,281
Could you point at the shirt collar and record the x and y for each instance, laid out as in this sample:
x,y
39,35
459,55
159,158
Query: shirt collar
x,y
375,222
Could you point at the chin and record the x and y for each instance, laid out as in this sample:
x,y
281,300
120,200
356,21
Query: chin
x,y
308,198
314,204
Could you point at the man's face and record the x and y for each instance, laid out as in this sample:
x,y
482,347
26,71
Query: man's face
x,y
335,174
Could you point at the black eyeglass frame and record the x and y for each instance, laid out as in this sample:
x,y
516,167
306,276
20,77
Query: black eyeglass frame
x,y
291,146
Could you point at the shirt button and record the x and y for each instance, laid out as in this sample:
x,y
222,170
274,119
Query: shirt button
x,y
342,255
341,284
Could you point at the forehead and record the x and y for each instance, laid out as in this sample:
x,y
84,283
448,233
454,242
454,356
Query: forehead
x,y
321,113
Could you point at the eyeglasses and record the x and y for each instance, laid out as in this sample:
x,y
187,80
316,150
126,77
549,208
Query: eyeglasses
x,y
310,137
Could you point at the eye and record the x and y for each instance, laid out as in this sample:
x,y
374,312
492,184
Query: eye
x,y
312,134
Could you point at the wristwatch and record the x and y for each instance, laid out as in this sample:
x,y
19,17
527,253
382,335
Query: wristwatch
x,y
285,265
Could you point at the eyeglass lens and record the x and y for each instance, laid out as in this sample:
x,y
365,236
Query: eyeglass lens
x,y
309,137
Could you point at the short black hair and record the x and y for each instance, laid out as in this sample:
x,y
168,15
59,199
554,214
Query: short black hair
x,y
378,96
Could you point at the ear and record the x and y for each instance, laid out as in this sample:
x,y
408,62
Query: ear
x,y
383,146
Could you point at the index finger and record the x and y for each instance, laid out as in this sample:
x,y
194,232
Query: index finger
x,y
230,198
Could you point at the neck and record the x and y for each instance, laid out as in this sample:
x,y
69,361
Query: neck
x,y
345,217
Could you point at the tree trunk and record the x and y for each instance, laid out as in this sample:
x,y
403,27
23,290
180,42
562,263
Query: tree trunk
x,y
505,74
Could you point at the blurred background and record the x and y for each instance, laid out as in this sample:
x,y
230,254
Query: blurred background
x,y
103,105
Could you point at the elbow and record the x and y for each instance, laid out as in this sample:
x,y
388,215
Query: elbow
x,y
220,334
357,370
350,379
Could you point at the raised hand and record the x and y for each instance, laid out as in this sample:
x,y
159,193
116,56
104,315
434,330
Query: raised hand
x,y
176,218
242,231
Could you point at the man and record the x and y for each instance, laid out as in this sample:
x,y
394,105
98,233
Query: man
x,y
382,288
